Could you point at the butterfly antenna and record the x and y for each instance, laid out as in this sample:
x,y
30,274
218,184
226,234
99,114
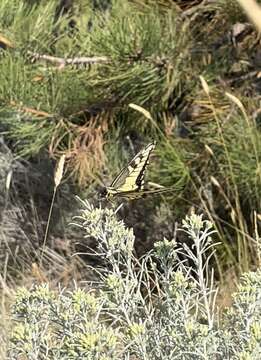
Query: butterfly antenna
x,y
100,181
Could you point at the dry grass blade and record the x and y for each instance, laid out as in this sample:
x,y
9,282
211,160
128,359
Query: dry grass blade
x,y
5,43
38,274
204,85
8,180
57,180
59,171
209,150
253,11
215,182
238,104
236,101
146,113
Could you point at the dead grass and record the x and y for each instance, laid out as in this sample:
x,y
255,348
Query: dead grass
x,y
84,153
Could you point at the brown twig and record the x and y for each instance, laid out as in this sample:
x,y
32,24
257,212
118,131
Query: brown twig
x,y
62,62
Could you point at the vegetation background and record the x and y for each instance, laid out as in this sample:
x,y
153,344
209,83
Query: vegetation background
x,y
69,71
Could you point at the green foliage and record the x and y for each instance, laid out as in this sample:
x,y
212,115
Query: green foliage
x,y
29,27
236,150
208,147
172,170
245,154
232,11
242,321
153,308
145,51
61,327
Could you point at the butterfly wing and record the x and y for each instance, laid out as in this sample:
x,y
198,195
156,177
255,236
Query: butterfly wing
x,y
131,178
157,191
143,193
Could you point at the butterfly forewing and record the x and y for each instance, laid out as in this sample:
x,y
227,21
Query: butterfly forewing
x,y
131,178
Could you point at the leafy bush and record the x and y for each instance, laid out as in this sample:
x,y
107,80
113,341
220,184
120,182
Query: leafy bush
x,y
70,70
157,307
